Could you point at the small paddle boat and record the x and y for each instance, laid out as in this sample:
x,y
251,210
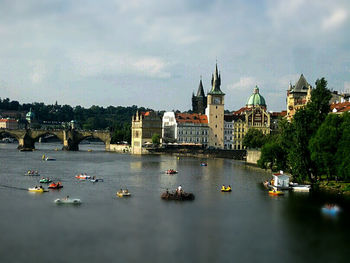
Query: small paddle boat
x,y
171,171
36,189
123,193
94,180
226,189
83,177
275,192
67,200
32,173
45,180
57,185
204,164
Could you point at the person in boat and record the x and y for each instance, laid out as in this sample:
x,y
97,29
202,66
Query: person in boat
x,y
93,177
223,187
179,190
40,187
229,187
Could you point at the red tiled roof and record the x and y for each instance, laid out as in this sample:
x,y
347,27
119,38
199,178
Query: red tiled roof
x,y
191,118
341,107
279,114
7,120
241,110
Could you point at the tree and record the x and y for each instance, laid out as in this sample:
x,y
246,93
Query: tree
x,y
156,139
272,156
342,157
254,139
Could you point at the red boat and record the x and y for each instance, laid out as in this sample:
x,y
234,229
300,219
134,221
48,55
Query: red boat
x,y
57,185
171,171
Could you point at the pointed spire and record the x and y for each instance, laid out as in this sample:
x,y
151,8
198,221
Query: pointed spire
x,y
216,82
200,92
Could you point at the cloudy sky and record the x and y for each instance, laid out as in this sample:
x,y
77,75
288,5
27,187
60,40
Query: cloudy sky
x,y
152,53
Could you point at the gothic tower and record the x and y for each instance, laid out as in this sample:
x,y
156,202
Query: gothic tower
x,y
215,112
199,102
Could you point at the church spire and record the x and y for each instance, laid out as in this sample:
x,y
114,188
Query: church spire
x,y
200,92
216,82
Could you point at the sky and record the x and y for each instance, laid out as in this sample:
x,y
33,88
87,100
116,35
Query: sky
x,y
152,53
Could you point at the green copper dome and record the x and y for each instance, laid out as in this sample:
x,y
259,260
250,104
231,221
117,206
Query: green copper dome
x,y
256,99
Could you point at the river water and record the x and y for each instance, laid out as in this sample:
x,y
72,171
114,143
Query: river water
x,y
246,225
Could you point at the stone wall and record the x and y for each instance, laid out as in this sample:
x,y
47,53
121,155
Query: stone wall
x,y
253,156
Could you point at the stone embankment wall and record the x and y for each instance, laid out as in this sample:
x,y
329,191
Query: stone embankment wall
x,y
253,156
201,153
120,148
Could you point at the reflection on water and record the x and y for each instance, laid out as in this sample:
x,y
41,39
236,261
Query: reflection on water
x,y
246,225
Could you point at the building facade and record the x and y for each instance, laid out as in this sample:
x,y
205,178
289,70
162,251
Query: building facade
x,y
215,112
298,96
8,124
228,132
143,126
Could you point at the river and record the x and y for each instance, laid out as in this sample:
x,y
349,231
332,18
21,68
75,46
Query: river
x,y
246,225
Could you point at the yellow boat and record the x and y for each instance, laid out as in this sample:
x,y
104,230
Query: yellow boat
x,y
123,193
226,189
36,190
276,192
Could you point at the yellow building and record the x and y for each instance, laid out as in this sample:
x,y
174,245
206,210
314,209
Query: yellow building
x,y
253,115
144,126
215,112
8,124
298,96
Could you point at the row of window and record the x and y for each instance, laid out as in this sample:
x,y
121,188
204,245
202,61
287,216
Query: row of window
x,y
205,132
190,139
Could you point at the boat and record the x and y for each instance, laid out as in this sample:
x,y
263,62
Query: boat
x,y
57,185
96,180
36,189
171,171
177,196
226,189
47,158
32,173
83,177
301,188
123,193
275,192
45,180
204,164
73,201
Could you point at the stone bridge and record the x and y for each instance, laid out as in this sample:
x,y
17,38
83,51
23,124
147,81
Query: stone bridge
x,y
69,138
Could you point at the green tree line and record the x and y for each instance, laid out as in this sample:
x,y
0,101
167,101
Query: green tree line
x,y
116,119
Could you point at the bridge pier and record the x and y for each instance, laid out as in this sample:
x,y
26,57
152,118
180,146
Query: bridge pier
x,y
26,143
70,143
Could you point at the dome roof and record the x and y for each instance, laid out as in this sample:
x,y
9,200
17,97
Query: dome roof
x,y
30,114
256,99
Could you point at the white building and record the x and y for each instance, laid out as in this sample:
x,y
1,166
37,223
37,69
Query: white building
x,y
185,128
228,132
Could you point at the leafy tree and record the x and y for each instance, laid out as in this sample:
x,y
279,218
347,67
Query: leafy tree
x,y
156,138
323,145
342,157
272,156
254,139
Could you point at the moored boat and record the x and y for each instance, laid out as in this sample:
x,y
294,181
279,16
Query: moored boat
x,y
301,188
275,192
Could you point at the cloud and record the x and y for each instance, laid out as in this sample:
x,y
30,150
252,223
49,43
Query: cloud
x,y
335,20
38,73
244,83
92,64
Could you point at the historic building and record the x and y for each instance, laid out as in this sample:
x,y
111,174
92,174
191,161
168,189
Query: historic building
x,y
8,124
298,96
253,115
215,112
228,131
144,126
185,128
199,101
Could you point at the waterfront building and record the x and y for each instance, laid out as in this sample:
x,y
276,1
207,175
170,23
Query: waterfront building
x,y
199,101
185,128
215,112
298,96
8,124
253,116
143,126
229,131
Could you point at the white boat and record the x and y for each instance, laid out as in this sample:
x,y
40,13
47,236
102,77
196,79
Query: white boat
x,y
73,201
301,188
96,180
